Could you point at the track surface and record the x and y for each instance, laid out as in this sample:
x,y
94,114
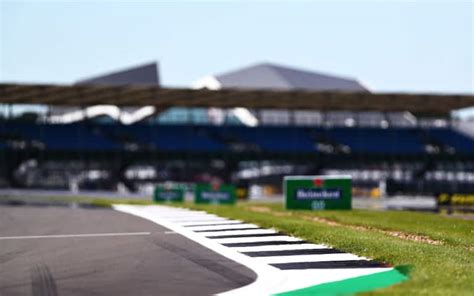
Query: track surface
x,y
160,263
284,264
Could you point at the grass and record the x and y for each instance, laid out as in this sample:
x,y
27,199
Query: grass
x,y
444,269
103,202
451,231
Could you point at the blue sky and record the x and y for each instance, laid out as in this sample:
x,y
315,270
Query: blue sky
x,y
390,46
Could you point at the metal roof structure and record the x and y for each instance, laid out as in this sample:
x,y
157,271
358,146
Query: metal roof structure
x,y
138,75
163,98
276,77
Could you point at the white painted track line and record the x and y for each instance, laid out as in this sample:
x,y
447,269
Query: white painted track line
x,y
187,216
212,227
255,239
308,258
177,211
237,232
196,220
210,223
75,235
279,248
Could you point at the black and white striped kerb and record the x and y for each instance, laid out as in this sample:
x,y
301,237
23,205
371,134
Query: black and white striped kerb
x,y
292,252
268,244
330,264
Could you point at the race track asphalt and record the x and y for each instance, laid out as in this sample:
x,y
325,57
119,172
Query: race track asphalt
x,y
105,252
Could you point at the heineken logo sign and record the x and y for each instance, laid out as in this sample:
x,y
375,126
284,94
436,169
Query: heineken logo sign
x,y
318,193
331,192
170,194
215,195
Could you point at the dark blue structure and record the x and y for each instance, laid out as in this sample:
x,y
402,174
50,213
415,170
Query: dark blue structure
x,y
209,139
426,159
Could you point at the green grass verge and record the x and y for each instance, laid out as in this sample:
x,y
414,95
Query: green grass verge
x,y
449,230
103,202
445,269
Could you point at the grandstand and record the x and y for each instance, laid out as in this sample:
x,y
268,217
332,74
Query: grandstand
x,y
249,126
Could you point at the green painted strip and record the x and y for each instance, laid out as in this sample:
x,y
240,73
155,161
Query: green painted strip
x,y
352,285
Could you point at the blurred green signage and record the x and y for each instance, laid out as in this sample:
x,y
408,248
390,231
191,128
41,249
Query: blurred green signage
x,y
318,192
167,193
215,194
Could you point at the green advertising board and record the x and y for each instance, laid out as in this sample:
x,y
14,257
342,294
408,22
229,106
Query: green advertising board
x,y
163,193
318,192
215,194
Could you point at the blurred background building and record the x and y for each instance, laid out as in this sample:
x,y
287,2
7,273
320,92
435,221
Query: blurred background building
x,y
88,146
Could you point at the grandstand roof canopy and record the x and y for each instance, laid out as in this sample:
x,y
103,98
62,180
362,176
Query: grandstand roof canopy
x,y
146,74
277,77
163,98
